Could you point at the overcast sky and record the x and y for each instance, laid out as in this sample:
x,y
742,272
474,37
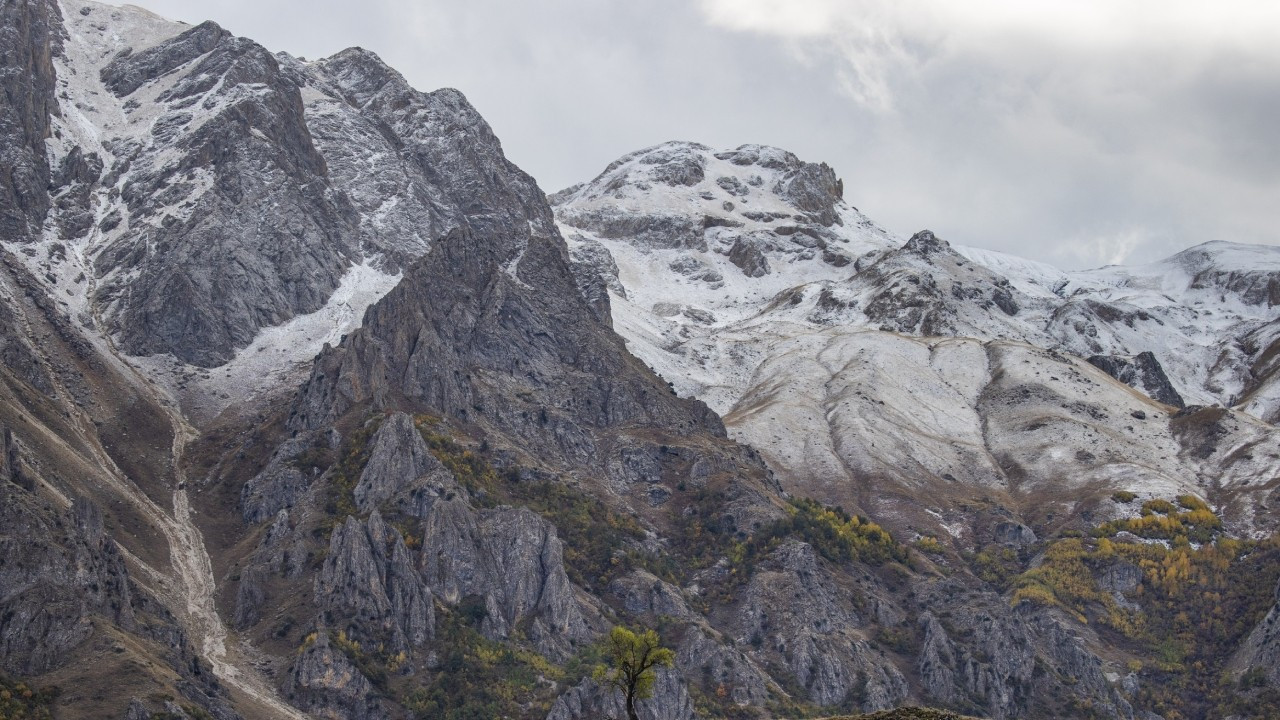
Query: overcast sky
x,y
1076,132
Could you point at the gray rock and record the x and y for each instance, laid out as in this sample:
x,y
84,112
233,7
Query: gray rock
x,y
1261,649
1082,668
137,711
71,187
129,71
30,37
747,255
927,288
1142,372
442,167
597,275
277,487
57,573
514,561
1121,577
793,612
488,329
285,553
997,673
642,593
398,460
589,701
704,657
644,230
325,683
11,469
370,584
1013,533
977,651
220,274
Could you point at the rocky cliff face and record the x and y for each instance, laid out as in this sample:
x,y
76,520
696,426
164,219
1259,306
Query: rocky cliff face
x,y
51,598
31,35
169,146
470,477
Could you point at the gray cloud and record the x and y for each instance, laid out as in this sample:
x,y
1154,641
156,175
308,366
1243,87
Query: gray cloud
x,y
1080,138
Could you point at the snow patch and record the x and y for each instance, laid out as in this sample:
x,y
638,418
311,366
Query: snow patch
x,y
279,357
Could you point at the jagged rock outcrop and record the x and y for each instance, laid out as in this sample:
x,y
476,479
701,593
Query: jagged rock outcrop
x,y
977,652
1254,285
369,582
746,254
278,486
811,187
129,71
703,652
796,610
491,329
1082,668
1261,649
1141,372
955,676
223,273
596,274
445,167
1260,395
398,460
11,469
189,140
514,562
707,656
758,205
915,289
327,685
643,593
57,571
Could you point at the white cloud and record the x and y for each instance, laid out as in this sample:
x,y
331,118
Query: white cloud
x,y
996,121
1104,248
1070,131
882,39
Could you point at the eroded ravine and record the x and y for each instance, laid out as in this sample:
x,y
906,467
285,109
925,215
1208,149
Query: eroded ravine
x,y
189,589
195,571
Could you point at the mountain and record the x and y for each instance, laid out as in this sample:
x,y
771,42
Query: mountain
x,y
873,372
315,405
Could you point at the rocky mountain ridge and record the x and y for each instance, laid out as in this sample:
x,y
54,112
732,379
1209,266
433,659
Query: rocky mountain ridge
x,y
312,406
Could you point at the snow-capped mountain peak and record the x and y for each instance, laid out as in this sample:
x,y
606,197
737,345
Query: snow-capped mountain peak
x,y
845,353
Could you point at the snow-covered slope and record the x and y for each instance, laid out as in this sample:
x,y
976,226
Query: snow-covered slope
x,y
875,372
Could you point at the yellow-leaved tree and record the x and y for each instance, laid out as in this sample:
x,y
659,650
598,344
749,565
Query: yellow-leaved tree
x,y
635,658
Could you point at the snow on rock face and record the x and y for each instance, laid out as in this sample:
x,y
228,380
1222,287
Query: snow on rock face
x,y
1262,390
278,358
853,360
205,194
190,208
